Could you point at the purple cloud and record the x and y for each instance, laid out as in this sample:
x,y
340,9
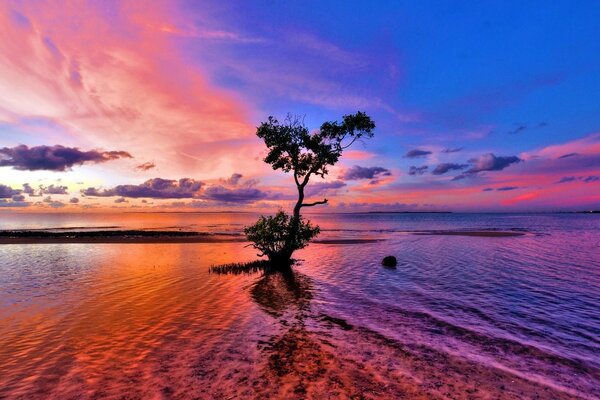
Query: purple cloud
x,y
28,189
452,150
416,153
233,180
569,155
566,179
490,162
523,127
53,189
413,170
318,188
584,179
233,195
53,158
507,188
5,203
7,192
445,167
145,166
156,188
53,203
357,172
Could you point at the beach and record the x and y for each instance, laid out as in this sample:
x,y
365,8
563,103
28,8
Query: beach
x,y
495,311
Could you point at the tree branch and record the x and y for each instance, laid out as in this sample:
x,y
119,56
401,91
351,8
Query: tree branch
x,y
306,178
313,204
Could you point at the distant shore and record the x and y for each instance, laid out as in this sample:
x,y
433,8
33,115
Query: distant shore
x,y
141,236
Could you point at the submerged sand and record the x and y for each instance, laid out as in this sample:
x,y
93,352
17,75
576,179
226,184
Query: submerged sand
x,y
318,356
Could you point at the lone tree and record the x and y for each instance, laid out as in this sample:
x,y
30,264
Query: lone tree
x,y
293,148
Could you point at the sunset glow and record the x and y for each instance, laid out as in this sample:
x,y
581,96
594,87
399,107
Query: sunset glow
x,y
167,92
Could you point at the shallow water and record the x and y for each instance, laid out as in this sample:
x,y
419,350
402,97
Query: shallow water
x,y
501,317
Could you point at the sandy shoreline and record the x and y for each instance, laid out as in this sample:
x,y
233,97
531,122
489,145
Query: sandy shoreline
x,y
157,237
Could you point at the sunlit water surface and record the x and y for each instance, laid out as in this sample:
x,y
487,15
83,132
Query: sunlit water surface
x,y
150,321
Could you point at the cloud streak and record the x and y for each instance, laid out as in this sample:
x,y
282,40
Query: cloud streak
x,y
416,153
53,158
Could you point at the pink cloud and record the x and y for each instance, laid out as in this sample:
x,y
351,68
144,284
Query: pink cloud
x,y
523,197
357,155
112,74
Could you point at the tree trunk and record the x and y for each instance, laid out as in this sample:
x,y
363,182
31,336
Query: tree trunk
x,y
298,205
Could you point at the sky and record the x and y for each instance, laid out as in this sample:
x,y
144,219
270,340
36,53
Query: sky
x,y
153,106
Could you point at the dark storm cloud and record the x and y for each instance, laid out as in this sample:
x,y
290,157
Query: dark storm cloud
x,y
233,195
7,192
319,188
357,172
53,158
156,188
445,167
417,153
413,170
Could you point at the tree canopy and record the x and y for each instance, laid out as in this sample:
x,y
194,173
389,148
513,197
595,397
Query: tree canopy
x,y
293,148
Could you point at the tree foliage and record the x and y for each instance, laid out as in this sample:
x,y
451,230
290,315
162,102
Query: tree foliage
x,y
279,236
293,148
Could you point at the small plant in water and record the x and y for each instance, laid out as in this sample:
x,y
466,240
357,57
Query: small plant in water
x,y
279,236
293,148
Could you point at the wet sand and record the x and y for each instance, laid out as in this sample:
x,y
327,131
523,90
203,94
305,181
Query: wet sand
x,y
141,236
487,233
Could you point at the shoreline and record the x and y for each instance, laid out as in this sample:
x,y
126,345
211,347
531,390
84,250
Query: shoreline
x,y
178,237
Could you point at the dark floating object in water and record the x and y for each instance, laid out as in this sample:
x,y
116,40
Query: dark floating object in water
x,y
389,261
